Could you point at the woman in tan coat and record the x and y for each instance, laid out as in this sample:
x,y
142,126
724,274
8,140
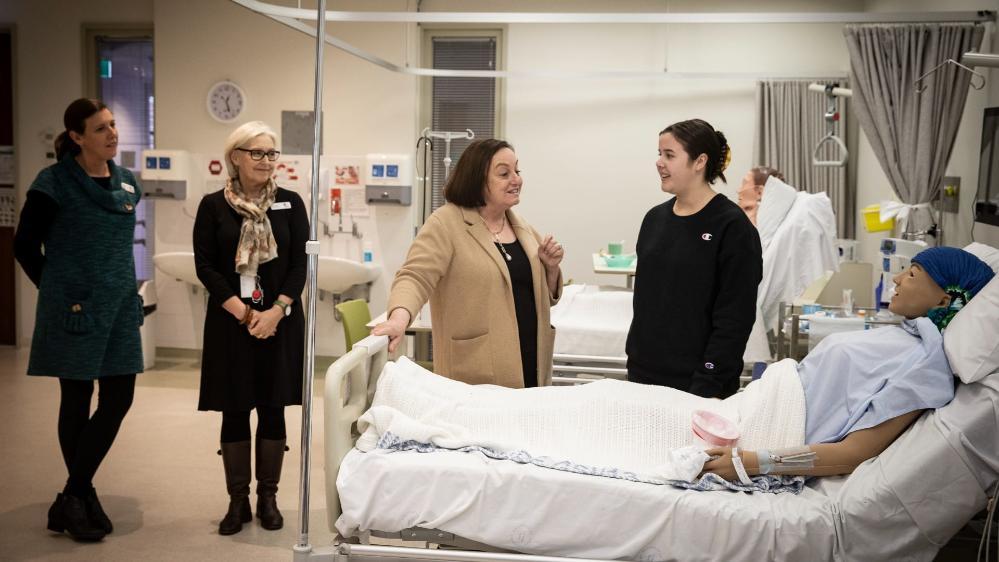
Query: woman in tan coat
x,y
490,278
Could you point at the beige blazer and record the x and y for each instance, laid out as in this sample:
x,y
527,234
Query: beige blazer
x,y
454,263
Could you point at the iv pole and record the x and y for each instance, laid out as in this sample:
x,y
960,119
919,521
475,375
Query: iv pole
x,y
447,137
312,251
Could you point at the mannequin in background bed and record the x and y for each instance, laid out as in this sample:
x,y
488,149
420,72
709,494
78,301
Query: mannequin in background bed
x,y
751,190
863,389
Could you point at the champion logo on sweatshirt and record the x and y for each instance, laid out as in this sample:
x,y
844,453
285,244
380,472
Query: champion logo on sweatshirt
x,y
706,236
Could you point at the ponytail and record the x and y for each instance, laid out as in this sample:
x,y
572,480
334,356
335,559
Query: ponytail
x,y
64,145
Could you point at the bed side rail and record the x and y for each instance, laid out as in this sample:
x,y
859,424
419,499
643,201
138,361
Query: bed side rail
x,y
568,370
349,389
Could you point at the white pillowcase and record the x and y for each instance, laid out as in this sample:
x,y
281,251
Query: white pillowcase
x,y
971,340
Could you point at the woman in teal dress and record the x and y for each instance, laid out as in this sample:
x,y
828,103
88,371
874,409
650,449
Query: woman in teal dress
x,y
74,241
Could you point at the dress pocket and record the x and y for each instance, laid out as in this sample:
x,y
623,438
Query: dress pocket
x,y
472,361
76,317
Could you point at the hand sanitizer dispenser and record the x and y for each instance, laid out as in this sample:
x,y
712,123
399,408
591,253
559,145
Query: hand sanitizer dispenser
x,y
388,179
165,174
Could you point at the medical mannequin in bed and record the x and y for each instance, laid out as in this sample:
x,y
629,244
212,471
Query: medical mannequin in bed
x,y
863,389
798,235
848,400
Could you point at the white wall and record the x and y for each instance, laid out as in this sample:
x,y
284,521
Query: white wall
x,y
587,148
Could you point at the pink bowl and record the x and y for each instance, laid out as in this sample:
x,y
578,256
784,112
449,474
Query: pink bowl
x,y
714,429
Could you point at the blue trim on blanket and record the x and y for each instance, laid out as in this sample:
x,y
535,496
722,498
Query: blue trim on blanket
x,y
709,482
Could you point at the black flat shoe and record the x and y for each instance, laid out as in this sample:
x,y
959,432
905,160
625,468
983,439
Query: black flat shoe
x,y
68,514
96,513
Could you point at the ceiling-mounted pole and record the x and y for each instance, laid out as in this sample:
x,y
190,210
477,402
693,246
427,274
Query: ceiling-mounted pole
x,y
312,252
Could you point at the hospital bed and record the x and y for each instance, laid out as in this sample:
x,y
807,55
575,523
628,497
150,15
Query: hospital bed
x,y
904,504
591,327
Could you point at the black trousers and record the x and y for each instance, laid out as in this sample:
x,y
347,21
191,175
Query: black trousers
x,y
85,439
270,424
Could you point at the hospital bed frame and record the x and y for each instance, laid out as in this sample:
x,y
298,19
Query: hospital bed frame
x,y
349,390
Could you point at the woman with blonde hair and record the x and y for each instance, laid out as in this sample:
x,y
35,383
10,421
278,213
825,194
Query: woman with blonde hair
x,y
249,250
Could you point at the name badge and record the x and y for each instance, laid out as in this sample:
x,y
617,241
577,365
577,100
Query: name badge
x,y
247,283
281,205
127,187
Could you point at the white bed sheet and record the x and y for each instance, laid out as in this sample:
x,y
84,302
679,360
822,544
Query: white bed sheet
x,y
904,504
591,320
540,511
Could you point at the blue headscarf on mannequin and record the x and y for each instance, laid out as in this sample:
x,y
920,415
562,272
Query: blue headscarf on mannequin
x,y
959,273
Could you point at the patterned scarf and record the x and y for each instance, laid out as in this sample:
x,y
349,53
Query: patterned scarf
x,y
256,241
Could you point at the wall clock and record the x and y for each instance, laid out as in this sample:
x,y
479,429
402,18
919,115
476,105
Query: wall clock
x,y
226,101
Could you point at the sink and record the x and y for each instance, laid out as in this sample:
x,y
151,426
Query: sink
x,y
336,275
179,265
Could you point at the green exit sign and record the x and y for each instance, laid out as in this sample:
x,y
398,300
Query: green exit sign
x,y
105,68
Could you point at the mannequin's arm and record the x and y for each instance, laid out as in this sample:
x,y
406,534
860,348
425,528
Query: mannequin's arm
x,y
829,458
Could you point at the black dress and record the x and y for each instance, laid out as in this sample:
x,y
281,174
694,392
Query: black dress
x,y
523,302
239,371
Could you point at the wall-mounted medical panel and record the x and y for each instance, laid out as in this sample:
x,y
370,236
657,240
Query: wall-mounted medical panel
x,y
388,178
166,173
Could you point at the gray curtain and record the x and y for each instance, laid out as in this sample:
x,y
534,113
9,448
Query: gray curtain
x,y
911,133
790,121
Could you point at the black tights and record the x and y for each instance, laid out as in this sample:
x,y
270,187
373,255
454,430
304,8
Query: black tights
x,y
270,424
86,439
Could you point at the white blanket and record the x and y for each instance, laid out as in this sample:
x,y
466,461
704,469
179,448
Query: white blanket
x,y
606,423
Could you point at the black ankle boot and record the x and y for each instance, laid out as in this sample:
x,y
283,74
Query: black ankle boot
x,y
96,513
68,513
239,513
236,462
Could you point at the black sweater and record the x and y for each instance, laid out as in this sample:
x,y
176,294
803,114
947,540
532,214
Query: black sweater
x,y
695,298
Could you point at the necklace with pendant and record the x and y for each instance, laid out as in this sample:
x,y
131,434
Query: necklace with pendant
x,y
496,236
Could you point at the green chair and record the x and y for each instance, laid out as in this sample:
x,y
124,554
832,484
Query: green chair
x,y
355,316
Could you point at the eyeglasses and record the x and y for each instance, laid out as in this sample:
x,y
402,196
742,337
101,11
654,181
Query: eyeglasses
x,y
257,154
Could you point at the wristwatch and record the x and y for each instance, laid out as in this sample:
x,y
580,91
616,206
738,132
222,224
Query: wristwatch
x,y
284,306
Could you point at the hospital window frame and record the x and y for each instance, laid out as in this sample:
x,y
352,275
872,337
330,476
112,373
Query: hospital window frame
x,y
426,95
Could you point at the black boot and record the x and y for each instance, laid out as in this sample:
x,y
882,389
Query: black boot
x,y
96,513
270,454
236,462
68,513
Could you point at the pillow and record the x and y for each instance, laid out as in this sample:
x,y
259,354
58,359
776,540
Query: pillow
x,y
971,340
987,254
778,198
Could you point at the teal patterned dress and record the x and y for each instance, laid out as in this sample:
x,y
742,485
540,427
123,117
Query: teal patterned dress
x,y
89,312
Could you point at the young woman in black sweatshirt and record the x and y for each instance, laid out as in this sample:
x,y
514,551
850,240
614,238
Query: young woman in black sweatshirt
x,y
699,266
